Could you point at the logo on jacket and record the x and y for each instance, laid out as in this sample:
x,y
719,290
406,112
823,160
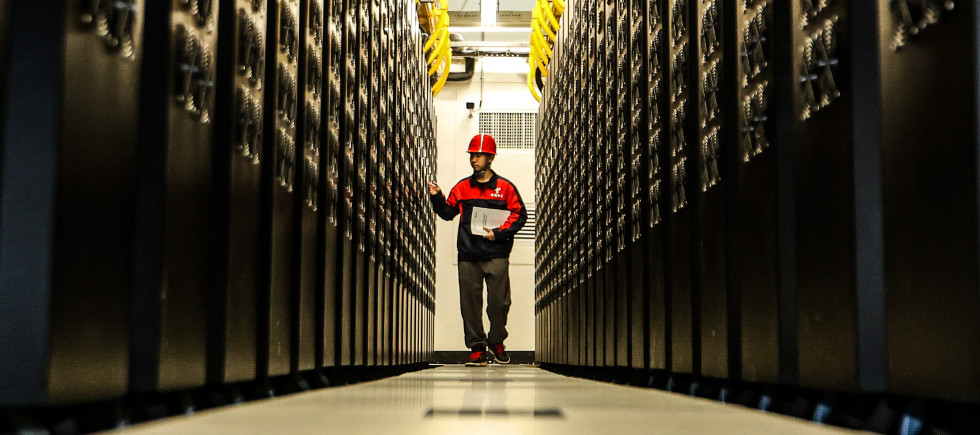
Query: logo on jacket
x,y
497,193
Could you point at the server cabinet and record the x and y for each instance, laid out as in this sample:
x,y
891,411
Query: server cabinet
x,y
539,249
639,182
710,295
621,137
658,105
819,150
678,242
237,156
70,92
389,188
382,87
172,277
348,173
400,287
383,177
753,276
579,142
609,182
278,242
579,147
331,164
397,222
570,266
306,206
586,60
552,95
374,34
417,198
929,143
361,141
429,245
601,312
583,138
564,252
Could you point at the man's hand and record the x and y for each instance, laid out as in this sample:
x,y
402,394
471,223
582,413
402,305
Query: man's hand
x,y
434,188
489,235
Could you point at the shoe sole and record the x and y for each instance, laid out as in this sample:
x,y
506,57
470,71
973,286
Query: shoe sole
x,y
498,360
471,364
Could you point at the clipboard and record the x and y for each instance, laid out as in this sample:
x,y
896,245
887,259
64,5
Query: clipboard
x,y
487,217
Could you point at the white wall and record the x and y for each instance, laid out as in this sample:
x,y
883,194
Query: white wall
x,y
504,89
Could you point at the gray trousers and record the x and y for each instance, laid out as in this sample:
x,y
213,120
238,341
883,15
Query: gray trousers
x,y
471,277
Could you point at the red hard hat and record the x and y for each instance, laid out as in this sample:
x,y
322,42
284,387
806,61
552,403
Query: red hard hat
x,y
483,143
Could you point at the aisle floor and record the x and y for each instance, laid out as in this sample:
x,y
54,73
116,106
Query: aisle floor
x,y
497,399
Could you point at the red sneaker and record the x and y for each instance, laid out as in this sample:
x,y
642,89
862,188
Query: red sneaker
x,y
499,354
477,359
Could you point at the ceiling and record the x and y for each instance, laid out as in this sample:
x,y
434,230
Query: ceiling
x,y
510,13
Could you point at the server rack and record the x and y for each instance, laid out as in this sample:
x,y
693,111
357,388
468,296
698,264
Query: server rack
x,y
67,174
362,155
710,298
238,143
760,168
638,137
753,278
824,236
171,247
307,203
277,289
333,200
197,218
657,112
678,221
348,172
929,341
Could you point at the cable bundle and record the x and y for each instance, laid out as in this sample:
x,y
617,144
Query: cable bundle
x,y
544,29
437,46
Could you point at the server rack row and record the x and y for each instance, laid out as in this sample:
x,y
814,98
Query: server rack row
x,y
201,193
780,193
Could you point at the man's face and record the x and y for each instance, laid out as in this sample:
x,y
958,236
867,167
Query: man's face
x,y
480,161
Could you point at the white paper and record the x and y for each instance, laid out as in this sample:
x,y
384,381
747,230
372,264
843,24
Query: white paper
x,y
487,217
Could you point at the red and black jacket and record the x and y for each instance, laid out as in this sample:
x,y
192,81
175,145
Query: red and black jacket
x,y
498,193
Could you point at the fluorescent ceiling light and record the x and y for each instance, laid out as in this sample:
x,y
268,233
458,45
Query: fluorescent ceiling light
x,y
488,12
489,29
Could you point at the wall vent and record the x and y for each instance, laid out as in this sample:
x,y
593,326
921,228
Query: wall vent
x,y
511,130
527,232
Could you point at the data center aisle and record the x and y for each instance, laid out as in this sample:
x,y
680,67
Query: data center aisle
x,y
497,399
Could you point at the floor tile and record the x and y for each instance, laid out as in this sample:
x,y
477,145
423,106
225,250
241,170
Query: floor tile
x,y
494,400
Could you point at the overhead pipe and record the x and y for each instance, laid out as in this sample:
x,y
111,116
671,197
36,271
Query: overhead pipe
x,y
467,74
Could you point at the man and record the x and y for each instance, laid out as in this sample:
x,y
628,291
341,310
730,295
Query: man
x,y
483,256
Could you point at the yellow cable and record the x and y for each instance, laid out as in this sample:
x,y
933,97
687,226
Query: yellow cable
x,y
443,23
443,15
535,49
543,5
447,52
431,40
435,65
445,75
443,44
530,84
542,25
560,4
543,46
436,50
541,62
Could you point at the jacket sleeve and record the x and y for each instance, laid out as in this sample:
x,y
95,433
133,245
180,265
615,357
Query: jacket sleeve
x,y
445,209
517,219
